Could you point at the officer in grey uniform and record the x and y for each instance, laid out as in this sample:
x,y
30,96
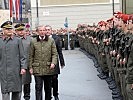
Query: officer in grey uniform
x,y
12,63
26,79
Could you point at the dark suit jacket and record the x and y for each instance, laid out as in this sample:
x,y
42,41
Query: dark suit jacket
x,y
60,55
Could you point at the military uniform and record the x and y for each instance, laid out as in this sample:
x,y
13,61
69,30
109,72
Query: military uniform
x,y
72,41
66,41
26,79
12,63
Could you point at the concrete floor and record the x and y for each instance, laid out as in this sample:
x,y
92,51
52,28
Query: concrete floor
x,y
78,80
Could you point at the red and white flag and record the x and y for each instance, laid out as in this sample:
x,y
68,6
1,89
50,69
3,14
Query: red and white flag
x,y
17,13
14,6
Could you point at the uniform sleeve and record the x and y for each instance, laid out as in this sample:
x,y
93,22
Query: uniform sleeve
x,y
22,55
129,75
31,54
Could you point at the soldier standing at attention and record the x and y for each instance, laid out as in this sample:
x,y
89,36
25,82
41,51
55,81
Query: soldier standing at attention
x,y
66,39
12,63
26,79
129,71
72,40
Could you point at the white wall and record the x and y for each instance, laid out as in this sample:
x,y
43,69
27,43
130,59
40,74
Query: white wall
x,y
84,14
115,1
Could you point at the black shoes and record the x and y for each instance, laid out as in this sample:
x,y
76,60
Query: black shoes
x,y
102,76
56,97
27,98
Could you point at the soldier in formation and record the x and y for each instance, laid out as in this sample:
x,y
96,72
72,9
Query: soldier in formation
x,y
110,46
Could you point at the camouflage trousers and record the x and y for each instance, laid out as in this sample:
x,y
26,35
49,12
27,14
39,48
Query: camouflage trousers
x,y
129,92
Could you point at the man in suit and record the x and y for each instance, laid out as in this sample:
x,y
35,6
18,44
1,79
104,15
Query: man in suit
x,y
61,59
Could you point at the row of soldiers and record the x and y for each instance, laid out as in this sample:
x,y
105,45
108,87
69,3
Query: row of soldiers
x,y
110,44
64,35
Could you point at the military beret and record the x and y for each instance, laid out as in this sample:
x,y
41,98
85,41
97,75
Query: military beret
x,y
131,17
19,26
111,19
7,25
119,16
102,23
125,18
117,12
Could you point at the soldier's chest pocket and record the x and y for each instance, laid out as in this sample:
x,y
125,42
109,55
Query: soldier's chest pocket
x,y
26,47
13,48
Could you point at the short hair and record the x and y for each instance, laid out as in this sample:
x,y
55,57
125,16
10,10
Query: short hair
x,y
48,26
39,26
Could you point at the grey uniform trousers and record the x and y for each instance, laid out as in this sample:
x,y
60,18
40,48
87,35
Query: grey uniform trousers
x,y
15,96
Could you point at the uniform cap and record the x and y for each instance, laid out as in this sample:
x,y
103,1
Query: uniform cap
x,y
119,16
7,25
102,23
19,26
125,18
110,19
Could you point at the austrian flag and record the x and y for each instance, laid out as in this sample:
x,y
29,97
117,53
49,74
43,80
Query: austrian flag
x,y
15,7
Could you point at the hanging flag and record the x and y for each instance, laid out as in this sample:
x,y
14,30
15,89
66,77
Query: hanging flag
x,y
17,9
21,10
66,22
10,8
14,7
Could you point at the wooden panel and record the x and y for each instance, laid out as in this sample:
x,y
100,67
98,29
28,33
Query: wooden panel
x,y
65,2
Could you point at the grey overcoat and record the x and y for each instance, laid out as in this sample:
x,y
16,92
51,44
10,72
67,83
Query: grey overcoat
x,y
26,78
12,60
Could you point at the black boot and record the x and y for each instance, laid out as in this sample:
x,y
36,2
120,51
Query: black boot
x,y
56,97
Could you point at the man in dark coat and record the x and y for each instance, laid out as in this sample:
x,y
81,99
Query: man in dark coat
x,y
26,79
12,63
61,59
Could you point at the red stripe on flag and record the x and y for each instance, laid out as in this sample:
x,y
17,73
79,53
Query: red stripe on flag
x,y
10,7
17,9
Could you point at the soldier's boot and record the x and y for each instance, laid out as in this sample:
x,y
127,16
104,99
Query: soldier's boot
x,y
109,80
115,91
99,69
117,97
102,76
112,85
120,98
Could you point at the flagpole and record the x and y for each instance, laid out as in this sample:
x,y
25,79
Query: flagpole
x,y
21,10
68,34
37,15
